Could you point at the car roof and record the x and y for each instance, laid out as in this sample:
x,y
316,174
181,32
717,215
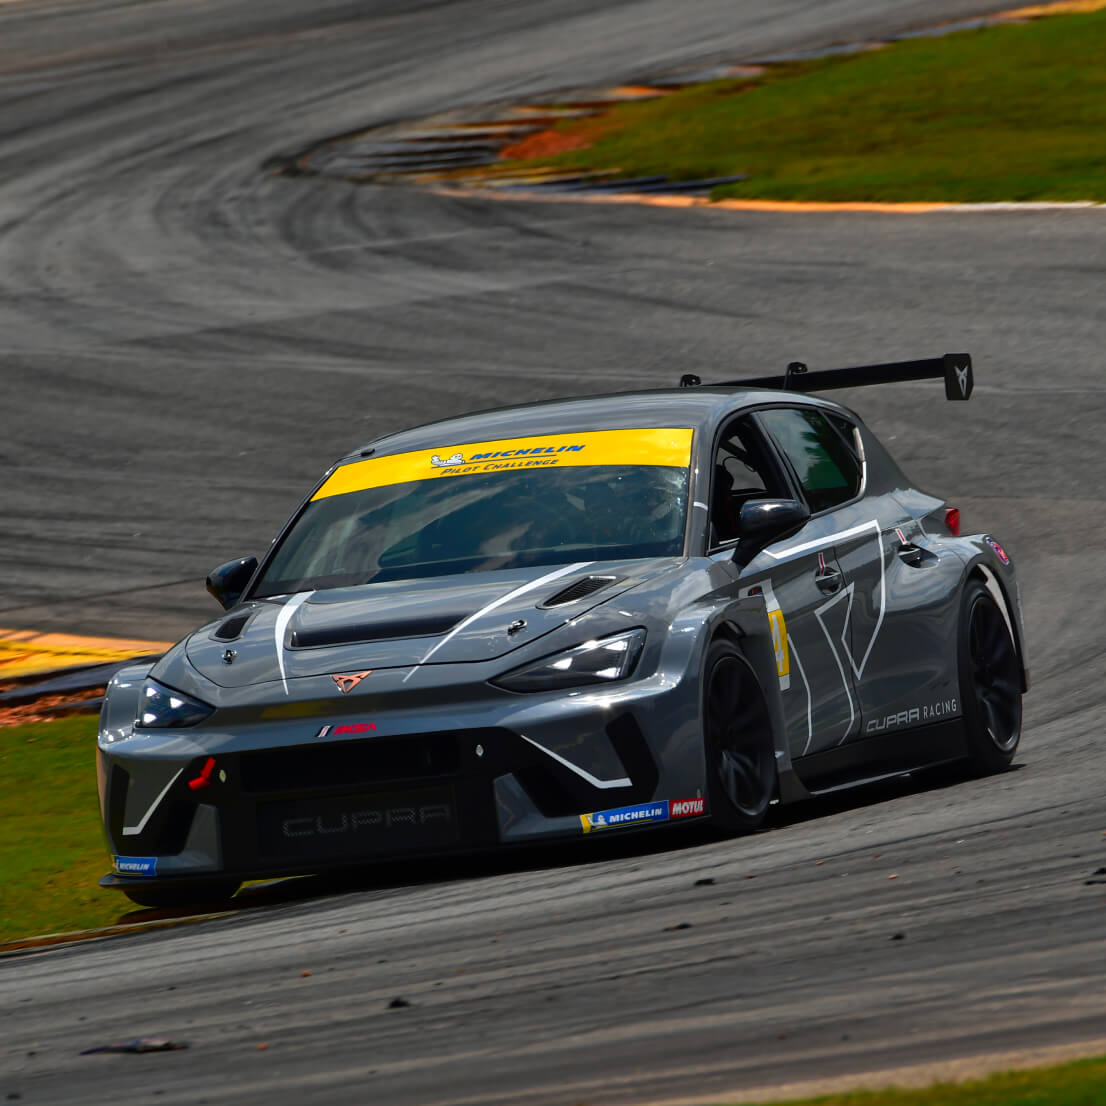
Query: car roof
x,y
693,407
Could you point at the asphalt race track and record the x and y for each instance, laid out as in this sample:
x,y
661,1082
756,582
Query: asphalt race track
x,y
187,340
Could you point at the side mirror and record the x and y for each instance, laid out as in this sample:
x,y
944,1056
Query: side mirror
x,y
764,521
227,582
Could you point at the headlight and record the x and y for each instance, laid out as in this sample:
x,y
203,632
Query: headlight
x,y
594,662
159,707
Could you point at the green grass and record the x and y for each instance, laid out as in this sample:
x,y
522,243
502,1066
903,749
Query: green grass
x,y
1011,112
52,848
1080,1083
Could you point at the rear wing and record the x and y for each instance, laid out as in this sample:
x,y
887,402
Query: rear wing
x,y
954,368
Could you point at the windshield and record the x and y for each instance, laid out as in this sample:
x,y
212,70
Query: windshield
x,y
546,500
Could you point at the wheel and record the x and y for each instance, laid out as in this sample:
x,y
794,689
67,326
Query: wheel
x,y
211,893
990,682
737,739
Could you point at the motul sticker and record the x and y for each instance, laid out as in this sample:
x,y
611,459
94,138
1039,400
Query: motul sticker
x,y
686,808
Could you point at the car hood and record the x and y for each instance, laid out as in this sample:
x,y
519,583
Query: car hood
x,y
443,620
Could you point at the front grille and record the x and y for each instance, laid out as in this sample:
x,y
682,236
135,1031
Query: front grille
x,y
359,825
348,764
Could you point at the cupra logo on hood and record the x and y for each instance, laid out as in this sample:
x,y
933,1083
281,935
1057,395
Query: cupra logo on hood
x,y
347,681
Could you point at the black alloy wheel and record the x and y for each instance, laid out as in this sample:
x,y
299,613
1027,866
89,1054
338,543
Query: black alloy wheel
x,y
737,735
990,681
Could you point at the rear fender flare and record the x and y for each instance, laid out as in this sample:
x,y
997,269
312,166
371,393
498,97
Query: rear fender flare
x,y
980,570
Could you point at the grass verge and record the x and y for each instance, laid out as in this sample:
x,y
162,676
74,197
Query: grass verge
x,y
52,850
1079,1083
1009,112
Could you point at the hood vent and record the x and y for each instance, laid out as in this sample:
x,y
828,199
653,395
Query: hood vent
x,y
428,626
580,589
231,628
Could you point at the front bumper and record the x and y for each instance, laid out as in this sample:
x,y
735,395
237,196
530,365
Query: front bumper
x,y
329,790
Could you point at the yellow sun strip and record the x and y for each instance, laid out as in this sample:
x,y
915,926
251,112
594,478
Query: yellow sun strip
x,y
667,447
28,652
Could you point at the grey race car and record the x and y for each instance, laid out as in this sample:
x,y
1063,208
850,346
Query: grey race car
x,y
568,619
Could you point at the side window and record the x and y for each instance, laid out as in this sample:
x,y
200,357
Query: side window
x,y
742,471
823,456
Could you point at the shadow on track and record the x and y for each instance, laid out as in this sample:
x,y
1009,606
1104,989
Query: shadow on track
x,y
396,874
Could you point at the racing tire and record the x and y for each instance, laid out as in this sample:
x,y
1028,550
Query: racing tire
x,y
737,741
214,892
990,682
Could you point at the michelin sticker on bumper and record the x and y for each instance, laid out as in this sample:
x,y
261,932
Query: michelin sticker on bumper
x,y
625,816
135,865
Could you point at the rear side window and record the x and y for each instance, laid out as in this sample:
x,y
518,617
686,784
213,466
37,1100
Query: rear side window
x,y
824,458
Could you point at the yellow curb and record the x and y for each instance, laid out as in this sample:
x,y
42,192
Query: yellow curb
x,y
28,652
905,207
1061,7
909,208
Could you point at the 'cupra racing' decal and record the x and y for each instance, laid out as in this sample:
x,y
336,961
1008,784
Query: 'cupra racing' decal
x,y
666,447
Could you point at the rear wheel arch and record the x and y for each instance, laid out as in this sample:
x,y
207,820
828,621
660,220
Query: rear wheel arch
x,y
995,586
990,676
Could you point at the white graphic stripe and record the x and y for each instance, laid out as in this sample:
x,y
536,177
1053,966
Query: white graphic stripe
x,y
542,580
821,543
830,539
584,775
132,831
859,670
806,684
819,611
282,620
999,598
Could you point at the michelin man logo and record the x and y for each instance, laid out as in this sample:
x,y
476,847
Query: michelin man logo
x,y
449,462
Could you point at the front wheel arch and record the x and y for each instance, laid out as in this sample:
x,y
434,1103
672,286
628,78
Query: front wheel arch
x,y
738,743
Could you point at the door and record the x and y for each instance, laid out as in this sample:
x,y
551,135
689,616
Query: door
x,y
903,661
802,586
828,469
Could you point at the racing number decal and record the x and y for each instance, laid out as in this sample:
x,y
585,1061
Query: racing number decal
x,y
778,625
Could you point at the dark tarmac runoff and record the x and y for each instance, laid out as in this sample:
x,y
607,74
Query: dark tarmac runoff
x,y
188,340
